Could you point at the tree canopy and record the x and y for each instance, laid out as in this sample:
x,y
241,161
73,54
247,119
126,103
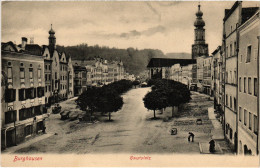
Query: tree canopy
x,y
155,100
106,99
166,93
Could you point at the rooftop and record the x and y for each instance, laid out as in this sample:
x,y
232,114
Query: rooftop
x,y
166,62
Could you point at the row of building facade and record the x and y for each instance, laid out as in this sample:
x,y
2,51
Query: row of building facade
x,y
34,77
236,78
230,74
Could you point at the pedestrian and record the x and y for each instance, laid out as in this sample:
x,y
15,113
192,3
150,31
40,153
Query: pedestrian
x,y
212,146
191,135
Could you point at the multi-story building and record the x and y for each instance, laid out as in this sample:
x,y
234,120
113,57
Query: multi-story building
x,y
193,85
104,72
216,78
248,85
207,78
234,18
23,102
70,81
231,20
161,68
80,81
200,62
110,76
63,89
47,76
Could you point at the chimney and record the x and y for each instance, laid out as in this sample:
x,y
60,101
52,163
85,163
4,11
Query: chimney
x,y
32,40
24,42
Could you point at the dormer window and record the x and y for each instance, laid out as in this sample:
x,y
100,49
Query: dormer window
x,y
22,73
31,73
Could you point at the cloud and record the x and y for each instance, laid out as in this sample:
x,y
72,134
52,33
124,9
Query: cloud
x,y
154,10
133,33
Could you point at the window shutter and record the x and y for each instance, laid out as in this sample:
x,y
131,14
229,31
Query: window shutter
x,y
14,94
27,93
35,92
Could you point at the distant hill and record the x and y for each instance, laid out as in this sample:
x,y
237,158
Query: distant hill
x,y
178,55
135,61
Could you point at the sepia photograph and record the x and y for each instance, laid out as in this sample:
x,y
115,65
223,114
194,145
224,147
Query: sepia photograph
x,y
120,83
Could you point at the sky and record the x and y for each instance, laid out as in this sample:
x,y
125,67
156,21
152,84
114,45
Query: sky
x,y
167,26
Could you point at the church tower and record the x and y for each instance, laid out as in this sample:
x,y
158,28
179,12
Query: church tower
x,y
52,40
199,48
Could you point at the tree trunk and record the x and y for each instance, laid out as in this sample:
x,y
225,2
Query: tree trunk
x,y
109,116
174,110
154,113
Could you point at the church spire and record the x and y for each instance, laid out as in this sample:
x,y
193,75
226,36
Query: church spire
x,y
199,47
52,40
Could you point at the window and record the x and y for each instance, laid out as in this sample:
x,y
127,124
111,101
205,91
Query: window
x,y
239,84
235,47
30,93
38,110
40,91
230,102
226,100
10,116
22,73
46,77
235,77
255,86
255,124
10,95
235,104
46,67
26,113
39,73
226,77
240,114
31,73
231,52
226,52
28,130
22,95
245,117
248,57
9,73
227,128
250,121
244,84
56,75
231,133
249,86
46,89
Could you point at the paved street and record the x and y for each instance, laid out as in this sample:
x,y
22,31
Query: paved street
x,y
132,130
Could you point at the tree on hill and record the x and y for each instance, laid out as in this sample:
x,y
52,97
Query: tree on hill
x,y
135,61
155,100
